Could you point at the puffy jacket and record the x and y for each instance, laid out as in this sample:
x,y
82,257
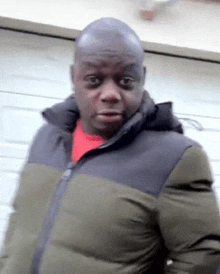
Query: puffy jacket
x,y
141,203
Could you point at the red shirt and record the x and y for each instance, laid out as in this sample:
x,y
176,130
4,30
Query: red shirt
x,y
83,142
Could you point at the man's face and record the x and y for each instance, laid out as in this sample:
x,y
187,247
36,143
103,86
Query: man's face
x,y
108,89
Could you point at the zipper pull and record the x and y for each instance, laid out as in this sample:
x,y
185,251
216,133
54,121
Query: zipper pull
x,y
67,173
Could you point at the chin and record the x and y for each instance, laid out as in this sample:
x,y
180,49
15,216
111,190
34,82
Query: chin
x,y
108,132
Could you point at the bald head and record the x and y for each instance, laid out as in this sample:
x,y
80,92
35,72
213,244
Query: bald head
x,y
109,35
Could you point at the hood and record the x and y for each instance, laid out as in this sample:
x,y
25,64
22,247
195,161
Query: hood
x,y
150,116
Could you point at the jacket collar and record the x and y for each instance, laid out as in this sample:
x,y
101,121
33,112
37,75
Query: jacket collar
x,y
150,116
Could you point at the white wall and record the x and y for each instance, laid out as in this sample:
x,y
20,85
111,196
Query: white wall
x,y
189,28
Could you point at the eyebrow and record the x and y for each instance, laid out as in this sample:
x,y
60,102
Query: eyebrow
x,y
90,64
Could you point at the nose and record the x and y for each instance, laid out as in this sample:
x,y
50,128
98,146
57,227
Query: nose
x,y
110,93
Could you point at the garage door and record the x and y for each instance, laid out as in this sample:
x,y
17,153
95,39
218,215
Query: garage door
x,y
35,74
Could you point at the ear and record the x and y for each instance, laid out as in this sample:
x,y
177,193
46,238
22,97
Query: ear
x,y
72,73
72,77
144,74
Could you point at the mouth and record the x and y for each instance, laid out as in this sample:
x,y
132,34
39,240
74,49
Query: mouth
x,y
110,116
110,112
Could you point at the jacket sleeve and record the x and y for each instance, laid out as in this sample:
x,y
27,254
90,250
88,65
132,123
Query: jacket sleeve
x,y
12,224
188,216
5,250
8,236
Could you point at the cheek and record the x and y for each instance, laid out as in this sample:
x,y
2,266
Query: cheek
x,y
85,103
133,101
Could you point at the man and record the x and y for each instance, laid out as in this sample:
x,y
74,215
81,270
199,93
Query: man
x,y
111,184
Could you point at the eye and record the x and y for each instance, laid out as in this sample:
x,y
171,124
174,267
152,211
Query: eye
x,y
93,79
126,81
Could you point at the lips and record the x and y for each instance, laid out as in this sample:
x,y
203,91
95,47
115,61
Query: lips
x,y
110,116
109,112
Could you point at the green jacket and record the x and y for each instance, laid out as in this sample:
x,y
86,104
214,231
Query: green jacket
x,y
141,203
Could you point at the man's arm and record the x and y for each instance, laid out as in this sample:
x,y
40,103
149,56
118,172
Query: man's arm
x,y
4,254
8,236
12,224
189,217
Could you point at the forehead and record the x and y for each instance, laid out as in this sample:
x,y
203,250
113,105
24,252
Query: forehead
x,y
100,60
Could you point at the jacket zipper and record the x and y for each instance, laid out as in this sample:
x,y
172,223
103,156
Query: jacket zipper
x,y
49,219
